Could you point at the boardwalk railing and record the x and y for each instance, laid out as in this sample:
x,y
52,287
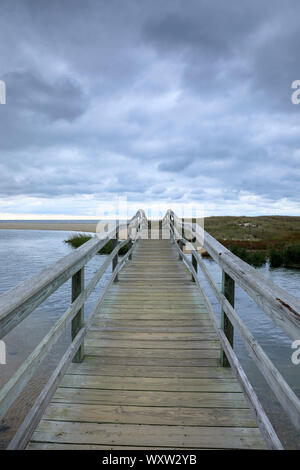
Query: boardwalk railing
x,y
282,307
19,302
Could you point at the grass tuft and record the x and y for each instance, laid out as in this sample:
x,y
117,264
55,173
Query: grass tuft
x,y
79,239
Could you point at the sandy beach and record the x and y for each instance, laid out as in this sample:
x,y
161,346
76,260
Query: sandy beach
x,y
67,227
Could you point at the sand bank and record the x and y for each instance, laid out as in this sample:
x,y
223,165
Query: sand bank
x,y
67,227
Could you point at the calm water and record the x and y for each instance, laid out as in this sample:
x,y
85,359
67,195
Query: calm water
x,y
25,252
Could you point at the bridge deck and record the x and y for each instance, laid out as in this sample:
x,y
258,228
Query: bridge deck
x,y
151,376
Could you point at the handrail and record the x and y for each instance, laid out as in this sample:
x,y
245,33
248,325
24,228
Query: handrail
x,y
34,415
22,376
19,302
263,421
285,395
282,307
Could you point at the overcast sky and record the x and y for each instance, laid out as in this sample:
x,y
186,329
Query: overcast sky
x,y
167,102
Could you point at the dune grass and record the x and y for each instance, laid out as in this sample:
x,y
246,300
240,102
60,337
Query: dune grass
x,y
289,257
80,238
257,239
255,258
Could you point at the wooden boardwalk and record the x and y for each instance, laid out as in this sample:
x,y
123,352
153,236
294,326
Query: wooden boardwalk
x,y
151,376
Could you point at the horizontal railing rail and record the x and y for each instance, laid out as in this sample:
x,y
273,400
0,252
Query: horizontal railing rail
x,y
19,302
282,307
262,419
26,429
230,319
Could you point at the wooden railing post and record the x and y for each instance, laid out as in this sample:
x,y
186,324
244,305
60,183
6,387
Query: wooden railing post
x,y
160,230
180,243
149,229
130,246
194,259
171,227
226,325
78,320
115,242
195,264
137,229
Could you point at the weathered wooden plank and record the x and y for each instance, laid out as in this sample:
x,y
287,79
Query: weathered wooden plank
x,y
149,286
91,367
172,312
57,446
177,416
207,334
150,383
186,298
208,358
150,398
143,352
142,318
157,323
153,303
152,345
149,329
149,435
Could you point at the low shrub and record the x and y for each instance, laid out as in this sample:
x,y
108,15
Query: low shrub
x,y
255,258
78,240
276,258
291,255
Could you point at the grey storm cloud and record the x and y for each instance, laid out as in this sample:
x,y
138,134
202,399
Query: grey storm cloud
x,y
60,99
158,100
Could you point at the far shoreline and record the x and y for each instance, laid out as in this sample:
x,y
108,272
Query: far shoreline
x,y
66,227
